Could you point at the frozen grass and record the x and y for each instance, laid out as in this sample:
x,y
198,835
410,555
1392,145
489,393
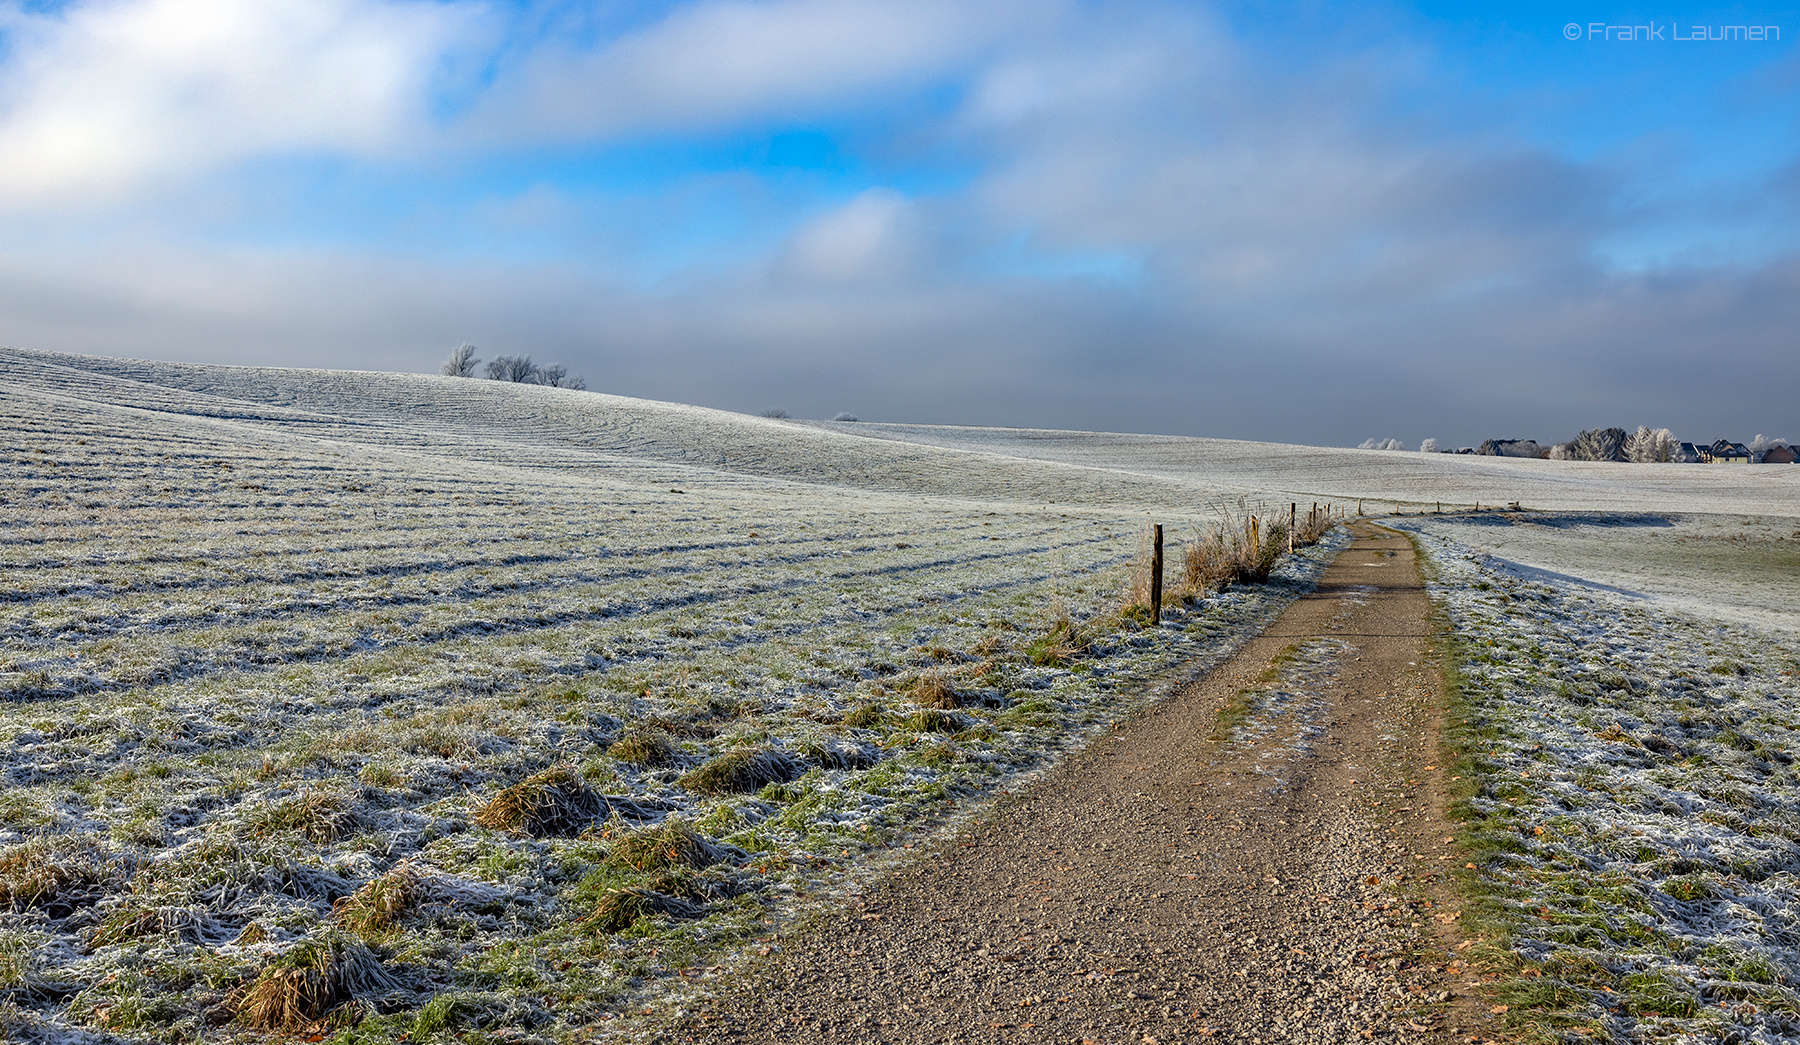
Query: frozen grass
x,y
1633,833
1740,568
373,725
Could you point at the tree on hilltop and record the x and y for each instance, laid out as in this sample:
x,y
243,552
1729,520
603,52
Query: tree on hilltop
x,y
557,376
518,369
461,362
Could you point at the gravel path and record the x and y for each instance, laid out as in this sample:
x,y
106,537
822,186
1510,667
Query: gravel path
x,y
1180,880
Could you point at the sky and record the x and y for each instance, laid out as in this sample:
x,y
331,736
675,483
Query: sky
x,y
1308,222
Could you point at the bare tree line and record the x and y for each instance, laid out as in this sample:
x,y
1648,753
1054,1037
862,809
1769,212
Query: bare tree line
x,y
518,369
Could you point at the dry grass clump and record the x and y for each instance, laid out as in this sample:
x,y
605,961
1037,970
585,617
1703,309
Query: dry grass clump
x,y
553,803
933,690
674,844
644,748
720,882
1311,528
319,815
309,981
381,903
1241,549
620,909
47,869
743,770
866,716
1059,645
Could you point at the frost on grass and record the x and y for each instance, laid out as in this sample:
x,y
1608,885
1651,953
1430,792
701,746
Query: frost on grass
x,y
384,727
1635,831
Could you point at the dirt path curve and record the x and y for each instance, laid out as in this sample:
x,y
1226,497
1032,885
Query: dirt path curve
x,y
1165,886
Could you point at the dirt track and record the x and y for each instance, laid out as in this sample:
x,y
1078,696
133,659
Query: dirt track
x,y
1165,885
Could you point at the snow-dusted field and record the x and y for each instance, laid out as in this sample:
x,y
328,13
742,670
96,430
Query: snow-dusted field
x,y
1741,569
1636,813
1384,479
424,688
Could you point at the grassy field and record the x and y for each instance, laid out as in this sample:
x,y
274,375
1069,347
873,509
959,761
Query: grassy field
x,y
1630,835
387,728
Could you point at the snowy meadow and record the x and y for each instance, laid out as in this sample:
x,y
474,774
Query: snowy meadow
x,y
1632,823
382,726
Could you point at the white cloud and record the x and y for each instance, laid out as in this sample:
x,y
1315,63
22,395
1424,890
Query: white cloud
x,y
708,64
871,237
1264,218
105,96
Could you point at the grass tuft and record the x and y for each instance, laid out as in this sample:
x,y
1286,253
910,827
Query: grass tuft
x,y
743,771
934,720
933,690
644,748
867,716
382,903
554,803
1237,550
47,869
674,844
834,754
319,815
620,909
314,977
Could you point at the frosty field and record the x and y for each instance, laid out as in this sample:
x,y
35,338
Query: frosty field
x,y
507,710
424,710
1632,805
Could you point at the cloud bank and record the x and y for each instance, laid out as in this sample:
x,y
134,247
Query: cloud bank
x,y
1145,216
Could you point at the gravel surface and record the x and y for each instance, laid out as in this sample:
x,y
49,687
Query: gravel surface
x,y
1197,876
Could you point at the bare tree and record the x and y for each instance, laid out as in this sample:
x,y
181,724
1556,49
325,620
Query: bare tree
x,y
1428,446
1381,444
777,414
557,376
461,362
512,368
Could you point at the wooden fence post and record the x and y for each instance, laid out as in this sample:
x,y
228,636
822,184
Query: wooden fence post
x,y
1291,507
1156,564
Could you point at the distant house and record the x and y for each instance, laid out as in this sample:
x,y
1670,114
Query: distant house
x,y
1688,454
1779,454
1724,451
